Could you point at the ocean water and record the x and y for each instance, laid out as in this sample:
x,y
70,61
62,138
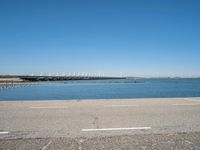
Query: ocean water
x,y
105,89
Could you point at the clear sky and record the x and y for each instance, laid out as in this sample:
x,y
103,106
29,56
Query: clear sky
x,y
134,38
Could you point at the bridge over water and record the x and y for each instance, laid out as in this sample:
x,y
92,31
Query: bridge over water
x,y
57,78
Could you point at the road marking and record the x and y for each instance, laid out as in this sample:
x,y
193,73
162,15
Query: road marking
x,y
46,145
49,107
121,106
186,104
4,132
192,99
116,129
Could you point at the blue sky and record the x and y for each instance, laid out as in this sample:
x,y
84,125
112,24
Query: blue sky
x,y
114,37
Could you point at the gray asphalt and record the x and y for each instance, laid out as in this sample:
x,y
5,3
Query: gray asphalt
x,y
176,141
126,124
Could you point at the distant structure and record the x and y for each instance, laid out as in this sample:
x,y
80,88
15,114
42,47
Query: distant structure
x,y
58,77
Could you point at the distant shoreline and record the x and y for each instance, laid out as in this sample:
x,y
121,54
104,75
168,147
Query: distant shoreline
x,y
17,80
197,99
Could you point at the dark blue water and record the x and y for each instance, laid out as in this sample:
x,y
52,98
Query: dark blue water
x,y
106,89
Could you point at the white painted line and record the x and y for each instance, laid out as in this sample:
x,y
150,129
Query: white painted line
x,y
195,99
46,145
49,107
121,106
4,132
116,129
186,104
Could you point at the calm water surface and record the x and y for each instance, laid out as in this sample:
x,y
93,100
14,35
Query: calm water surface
x,y
105,89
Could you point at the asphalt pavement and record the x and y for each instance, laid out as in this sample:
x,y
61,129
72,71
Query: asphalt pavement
x,y
167,123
